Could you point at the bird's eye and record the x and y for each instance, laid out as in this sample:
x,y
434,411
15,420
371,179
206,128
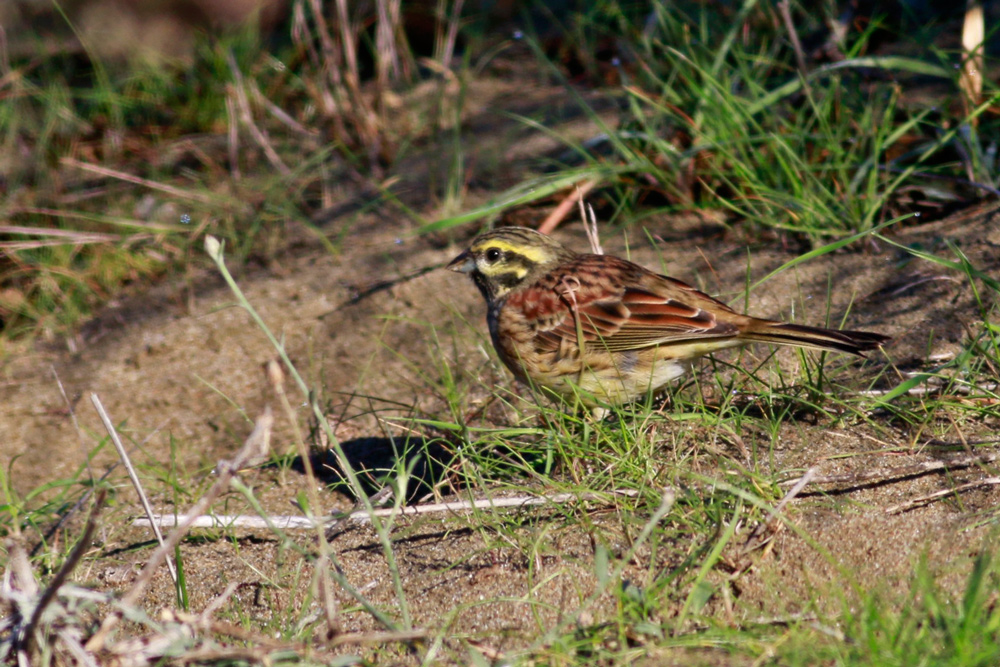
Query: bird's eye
x,y
492,255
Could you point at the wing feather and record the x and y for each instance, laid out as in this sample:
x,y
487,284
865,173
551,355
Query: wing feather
x,y
633,319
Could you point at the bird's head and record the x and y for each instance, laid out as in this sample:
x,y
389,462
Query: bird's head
x,y
506,258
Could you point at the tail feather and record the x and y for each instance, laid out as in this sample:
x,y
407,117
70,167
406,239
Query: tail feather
x,y
780,333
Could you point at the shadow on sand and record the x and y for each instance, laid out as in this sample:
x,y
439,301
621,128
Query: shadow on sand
x,y
378,461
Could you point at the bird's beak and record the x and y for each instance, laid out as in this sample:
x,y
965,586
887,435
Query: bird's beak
x,y
464,263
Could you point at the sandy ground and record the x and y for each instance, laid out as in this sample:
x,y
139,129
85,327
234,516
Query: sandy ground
x,y
181,373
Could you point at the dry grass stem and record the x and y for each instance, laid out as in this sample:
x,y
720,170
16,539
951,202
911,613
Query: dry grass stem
x,y
973,35
71,235
447,49
280,114
104,220
233,138
351,73
205,617
246,116
793,36
56,237
17,246
590,225
388,65
136,180
127,462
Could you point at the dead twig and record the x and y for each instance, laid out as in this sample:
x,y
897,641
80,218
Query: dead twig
x,y
958,388
485,503
900,471
229,521
923,500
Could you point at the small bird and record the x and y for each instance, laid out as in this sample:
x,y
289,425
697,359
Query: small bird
x,y
604,330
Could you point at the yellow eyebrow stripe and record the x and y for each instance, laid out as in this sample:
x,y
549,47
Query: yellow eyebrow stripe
x,y
530,253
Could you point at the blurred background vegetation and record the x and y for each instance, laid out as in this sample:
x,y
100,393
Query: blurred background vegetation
x,y
129,130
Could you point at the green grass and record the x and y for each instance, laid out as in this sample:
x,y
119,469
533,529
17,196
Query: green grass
x,y
716,122
919,625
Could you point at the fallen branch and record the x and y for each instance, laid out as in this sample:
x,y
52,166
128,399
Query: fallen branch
x,y
900,471
364,516
923,500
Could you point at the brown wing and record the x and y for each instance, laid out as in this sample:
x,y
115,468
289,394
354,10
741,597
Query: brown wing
x,y
616,305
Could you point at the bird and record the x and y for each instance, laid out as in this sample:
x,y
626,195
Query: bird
x,y
601,330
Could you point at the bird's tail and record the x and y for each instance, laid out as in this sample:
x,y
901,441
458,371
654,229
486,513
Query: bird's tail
x,y
781,333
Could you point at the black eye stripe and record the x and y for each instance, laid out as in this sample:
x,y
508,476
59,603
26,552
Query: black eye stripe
x,y
509,279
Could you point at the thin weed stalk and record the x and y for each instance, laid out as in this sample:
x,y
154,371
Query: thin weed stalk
x,y
215,251
276,377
